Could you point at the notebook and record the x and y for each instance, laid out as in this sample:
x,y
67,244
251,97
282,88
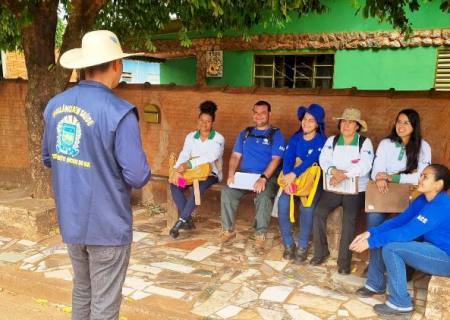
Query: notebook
x,y
347,186
244,180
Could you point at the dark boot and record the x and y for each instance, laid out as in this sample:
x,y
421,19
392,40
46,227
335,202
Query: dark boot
x,y
174,232
317,261
188,225
300,255
289,252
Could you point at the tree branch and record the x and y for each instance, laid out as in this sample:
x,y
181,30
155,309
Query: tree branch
x,y
82,15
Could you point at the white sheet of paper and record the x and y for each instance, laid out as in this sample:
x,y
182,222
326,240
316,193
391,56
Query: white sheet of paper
x,y
244,180
348,186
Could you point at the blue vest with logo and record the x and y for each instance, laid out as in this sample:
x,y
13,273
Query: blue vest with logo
x,y
92,198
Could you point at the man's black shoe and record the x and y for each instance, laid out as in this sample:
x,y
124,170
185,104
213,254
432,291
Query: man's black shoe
x,y
289,252
174,232
366,293
384,310
188,224
317,261
300,255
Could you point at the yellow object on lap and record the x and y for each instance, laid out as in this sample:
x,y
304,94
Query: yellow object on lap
x,y
305,187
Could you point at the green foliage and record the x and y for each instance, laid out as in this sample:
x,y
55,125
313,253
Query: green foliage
x,y
60,29
9,30
393,11
445,6
136,21
10,36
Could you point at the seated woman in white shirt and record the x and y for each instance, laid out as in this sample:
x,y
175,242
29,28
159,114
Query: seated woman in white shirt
x,y
205,145
345,157
400,158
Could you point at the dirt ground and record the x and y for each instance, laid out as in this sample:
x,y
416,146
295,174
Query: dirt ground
x,y
14,306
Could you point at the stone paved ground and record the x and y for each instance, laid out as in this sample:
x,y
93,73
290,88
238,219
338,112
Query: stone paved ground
x,y
195,277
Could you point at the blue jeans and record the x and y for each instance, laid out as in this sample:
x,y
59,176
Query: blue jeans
x,y
185,205
422,256
375,219
375,258
305,221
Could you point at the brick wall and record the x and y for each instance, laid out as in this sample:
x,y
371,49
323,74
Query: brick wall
x,y
14,162
179,111
16,68
15,65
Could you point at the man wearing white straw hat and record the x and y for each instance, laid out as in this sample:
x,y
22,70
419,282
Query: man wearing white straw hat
x,y
92,144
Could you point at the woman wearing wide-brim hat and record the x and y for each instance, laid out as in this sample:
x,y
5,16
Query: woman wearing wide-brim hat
x,y
344,156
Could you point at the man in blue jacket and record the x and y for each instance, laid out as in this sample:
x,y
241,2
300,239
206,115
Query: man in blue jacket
x,y
92,144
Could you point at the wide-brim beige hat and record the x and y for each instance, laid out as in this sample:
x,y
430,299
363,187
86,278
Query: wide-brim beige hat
x,y
97,47
353,114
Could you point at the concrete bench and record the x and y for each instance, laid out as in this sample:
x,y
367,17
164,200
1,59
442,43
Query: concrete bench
x,y
208,201
438,299
211,203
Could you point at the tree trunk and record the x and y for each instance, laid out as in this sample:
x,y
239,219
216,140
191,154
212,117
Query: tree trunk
x,y
38,42
45,77
201,68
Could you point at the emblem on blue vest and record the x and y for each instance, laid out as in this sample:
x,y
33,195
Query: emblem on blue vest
x,y
68,138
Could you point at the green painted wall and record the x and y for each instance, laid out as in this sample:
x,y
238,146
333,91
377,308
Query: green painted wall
x,y
401,69
238,70
179,71
341,17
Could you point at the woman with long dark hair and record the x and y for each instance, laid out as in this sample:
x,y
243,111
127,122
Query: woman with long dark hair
x,y
427,218
400,158
205,145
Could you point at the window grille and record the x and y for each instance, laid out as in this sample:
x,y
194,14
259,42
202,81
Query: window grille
x,y
294,71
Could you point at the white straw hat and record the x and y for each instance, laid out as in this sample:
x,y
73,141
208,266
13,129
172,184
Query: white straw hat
x,y
97,47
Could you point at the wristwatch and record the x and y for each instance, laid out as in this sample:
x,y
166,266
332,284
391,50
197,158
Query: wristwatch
x,y
264,176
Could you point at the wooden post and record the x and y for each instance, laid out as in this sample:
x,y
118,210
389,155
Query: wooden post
x,y
172,211
197,197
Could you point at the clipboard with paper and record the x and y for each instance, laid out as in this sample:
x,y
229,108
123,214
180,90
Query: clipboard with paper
x,y
347,186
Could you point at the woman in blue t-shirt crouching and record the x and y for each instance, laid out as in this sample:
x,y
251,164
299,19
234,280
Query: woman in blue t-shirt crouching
x,y
427,219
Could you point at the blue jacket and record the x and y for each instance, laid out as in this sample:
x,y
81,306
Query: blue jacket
x,y
307,151
92,143
422,218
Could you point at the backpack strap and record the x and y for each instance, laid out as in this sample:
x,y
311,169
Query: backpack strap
x,y
360,142
248,130
335,140
269,136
